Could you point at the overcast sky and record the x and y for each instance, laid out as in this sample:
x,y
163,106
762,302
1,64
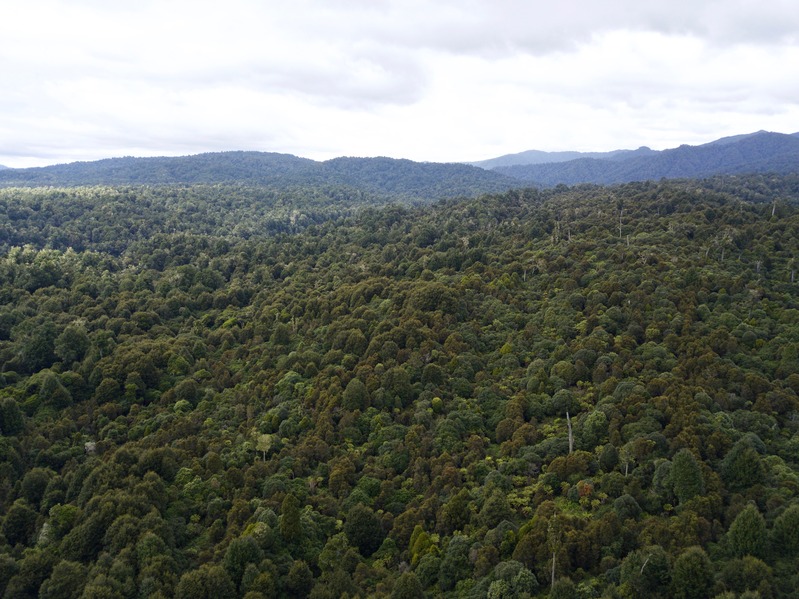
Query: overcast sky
x,y
438,80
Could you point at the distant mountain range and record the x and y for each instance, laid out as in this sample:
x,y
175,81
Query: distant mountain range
x,y
394,178
751,153
381,176
541,157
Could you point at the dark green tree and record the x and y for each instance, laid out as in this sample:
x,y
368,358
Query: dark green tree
x,y
609,458
563,588
208,582
786,531
747,534
72,344
8,568
34,568
289,523
692,575
686,476
512,579
66,581
19,523
299,580
355,396
34,484
454,563
363,529
495,509
742,466
407,587
36,343
11,420
746,574
646,573
241,552
455,514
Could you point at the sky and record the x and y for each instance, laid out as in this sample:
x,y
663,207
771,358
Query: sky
x,y
429,80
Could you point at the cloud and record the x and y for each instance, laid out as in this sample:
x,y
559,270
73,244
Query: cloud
x,y
426,79
494,28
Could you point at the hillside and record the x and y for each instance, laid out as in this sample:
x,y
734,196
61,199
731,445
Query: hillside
x,y
453,400
386,179
397,179
756,153
540,157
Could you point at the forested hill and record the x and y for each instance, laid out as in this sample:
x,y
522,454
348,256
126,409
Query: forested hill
x,y
760,152
540,157
569,393
398,179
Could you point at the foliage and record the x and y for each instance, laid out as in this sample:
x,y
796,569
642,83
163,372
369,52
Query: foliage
x,y
381,177
692,575
204,398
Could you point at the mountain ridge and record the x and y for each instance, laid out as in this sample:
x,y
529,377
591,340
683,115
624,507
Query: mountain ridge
x,y
751,153
548,157
398,178
543,157
383,176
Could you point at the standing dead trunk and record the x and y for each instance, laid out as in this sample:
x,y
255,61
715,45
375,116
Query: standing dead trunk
x,y
571,434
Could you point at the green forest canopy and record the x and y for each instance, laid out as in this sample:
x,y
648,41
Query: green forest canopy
x,y
223,391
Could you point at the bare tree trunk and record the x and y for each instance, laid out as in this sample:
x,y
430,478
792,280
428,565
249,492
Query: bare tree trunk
x,y
571,435
646,561
552,583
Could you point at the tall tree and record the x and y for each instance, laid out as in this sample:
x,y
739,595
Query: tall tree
x,y
692,575
686,476
747,534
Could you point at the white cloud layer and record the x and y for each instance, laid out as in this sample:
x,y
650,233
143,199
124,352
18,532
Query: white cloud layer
x,y
443,80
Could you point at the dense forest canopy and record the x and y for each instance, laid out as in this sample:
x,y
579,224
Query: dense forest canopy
x,y
224,390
